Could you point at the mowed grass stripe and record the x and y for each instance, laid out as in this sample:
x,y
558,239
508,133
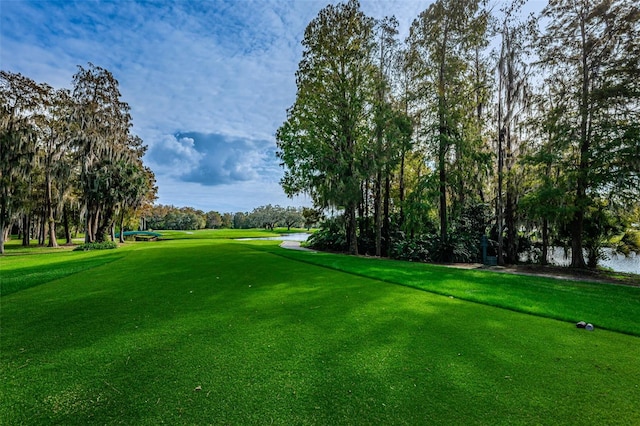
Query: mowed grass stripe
x,y
269,340
613,307
25,272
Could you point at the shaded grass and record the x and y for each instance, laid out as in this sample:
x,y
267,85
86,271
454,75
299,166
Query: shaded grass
x,y
270,340
14,247
30,271
607,306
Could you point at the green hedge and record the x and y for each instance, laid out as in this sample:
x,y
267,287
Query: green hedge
x,y
105,245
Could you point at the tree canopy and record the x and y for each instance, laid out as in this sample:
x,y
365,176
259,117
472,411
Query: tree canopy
x,y
66,152
442,137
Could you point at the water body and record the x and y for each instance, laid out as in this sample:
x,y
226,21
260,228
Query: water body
x,y
299,236
616,262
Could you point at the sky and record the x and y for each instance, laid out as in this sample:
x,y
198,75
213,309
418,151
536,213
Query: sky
x,y
208,82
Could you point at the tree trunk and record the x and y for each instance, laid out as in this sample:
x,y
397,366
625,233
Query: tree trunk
x,y
94,226
401,188
577,223
65,222
378,214
510,223
42,228
386,238
26,230
50,219
443,133
88,238
4,231
592,257
352,236
499,209
577,257
443,195
362,208
545,241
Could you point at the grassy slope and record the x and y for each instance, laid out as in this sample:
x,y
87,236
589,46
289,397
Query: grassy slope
x,y
269,339
607,306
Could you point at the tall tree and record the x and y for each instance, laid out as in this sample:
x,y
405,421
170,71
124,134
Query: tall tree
x,y
513,98
102,132
443,39
55,127
591,51
321,142
21,99
407,99
383,151
133,184
214,220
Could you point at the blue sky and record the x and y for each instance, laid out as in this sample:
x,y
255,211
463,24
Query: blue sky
x,y
208,82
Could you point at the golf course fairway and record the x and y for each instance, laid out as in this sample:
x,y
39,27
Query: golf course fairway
x,y
207,330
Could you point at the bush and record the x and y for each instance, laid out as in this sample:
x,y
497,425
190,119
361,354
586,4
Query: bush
x,y
330,237
105,245
417,249
459,247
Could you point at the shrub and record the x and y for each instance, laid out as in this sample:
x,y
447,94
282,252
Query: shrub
x,y
459,247
105,245
417,249
330,237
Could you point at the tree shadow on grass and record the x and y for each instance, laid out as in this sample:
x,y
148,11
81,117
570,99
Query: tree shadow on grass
x,y
17,279
270,340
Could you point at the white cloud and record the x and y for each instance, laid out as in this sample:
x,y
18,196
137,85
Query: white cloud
x,y
173,157
219,73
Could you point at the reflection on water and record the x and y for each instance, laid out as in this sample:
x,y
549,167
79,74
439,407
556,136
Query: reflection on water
x,y
616,262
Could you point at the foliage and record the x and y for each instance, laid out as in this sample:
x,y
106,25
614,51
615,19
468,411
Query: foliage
x,y
428,133
330,236
311,217
269,217
170,217
322,143
69,151
590,53
102,245
213,220
188,218
416,249
20,97
448,81
111,171
630,242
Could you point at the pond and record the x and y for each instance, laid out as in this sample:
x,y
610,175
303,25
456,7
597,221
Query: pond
x,y
616,262
299,236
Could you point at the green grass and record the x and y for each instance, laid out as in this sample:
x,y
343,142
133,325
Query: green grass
x,y
613,307
29,271
227,233
272,340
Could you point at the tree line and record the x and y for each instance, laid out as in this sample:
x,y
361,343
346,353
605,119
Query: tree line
x,y
68,159
267,217
478,123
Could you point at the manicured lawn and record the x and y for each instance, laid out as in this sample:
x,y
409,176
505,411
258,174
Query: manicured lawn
x,y
614,307
213,331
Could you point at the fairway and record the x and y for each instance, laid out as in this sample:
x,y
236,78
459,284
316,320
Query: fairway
x,y
215,331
